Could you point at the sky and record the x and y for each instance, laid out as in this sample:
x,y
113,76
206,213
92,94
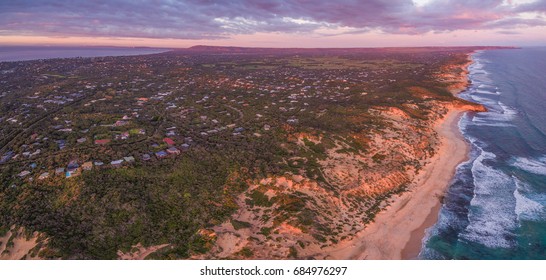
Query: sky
x,y
274,23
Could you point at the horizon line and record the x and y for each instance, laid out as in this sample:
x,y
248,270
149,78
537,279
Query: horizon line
x,y
250,47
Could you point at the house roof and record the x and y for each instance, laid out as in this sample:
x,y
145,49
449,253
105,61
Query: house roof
x,y
169,141
102,141
161,153
129,158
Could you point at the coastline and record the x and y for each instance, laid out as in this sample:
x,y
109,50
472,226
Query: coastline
x,y
398,230
455,145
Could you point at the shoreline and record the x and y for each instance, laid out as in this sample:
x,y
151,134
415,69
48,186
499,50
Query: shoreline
x,y
404,222
454,139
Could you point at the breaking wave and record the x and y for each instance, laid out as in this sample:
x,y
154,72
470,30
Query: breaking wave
x,y
535,166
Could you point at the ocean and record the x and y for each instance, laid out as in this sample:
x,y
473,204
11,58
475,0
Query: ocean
x,y
495,207
21,53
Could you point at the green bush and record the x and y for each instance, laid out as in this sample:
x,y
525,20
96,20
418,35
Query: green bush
x,y
237,225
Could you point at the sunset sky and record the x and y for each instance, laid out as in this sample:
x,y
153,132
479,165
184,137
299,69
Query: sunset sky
x,y
274,23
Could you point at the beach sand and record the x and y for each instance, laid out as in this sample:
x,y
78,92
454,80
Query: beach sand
x,y
21,245
398,230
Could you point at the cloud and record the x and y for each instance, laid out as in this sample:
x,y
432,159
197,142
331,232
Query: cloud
x,y
536,6
508,32
206,19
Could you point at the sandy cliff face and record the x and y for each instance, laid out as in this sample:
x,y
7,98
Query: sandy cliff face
x,y
456,75
464,105
293,216
289,216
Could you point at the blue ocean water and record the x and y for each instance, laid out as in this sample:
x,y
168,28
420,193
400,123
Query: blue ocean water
x,y
12,53
495,207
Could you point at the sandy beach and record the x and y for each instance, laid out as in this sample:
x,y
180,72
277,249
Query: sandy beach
x,y
399,229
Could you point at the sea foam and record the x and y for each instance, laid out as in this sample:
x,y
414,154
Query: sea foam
x,y
535,166
526,208
491,217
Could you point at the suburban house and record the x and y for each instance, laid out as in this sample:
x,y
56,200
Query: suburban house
x,y
73,166
43,176
173,151
169,141
102,141
123,136
161,154
72,172
88,165
129,159
120,123
116,163
23,173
